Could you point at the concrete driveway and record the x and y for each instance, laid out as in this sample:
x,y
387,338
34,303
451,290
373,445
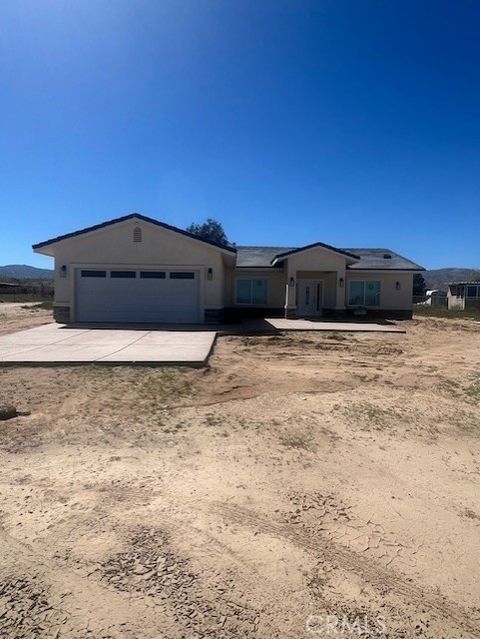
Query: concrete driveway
x,y
56,344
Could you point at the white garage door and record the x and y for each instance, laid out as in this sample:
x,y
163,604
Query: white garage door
x,y
115,295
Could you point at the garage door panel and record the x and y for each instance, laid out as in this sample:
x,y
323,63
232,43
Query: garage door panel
x,y
140,299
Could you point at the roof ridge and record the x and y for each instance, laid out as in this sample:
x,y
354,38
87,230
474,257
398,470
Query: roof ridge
x,y
329,247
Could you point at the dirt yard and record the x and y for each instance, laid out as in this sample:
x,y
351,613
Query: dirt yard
x,y
17,317
298,476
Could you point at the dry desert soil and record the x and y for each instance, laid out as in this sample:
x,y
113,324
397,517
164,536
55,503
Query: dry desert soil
x,y
301,485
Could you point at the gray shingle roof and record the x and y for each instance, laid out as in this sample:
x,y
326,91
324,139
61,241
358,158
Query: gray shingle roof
x,y
370,258
375,259
259,256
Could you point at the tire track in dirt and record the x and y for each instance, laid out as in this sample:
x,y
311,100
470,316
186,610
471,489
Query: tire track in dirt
x,y
349,560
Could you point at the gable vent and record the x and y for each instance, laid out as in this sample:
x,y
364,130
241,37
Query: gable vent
x,y
137,234
387,256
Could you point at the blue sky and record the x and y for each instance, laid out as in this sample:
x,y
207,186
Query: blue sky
x,y
352,123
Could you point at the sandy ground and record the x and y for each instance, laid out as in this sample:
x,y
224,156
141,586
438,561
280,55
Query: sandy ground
x,y
17,317
298,476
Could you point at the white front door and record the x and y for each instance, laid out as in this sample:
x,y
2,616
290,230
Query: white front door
x,y
309,297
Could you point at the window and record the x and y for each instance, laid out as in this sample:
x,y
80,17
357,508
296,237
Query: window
x,y
123,274
372,293
182,275
472,291
137,234
244,291
357,294
364,293
94,273
251,292
152,275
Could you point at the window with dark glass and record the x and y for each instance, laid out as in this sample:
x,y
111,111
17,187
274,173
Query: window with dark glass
x,y
123,274
249,291
152,275
364,293
182,275
88,273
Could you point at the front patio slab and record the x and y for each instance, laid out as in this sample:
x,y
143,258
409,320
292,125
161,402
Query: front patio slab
x,y
333,325
57,344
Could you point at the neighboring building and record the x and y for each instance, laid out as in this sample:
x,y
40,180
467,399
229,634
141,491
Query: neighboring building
x,y
435,297
136,269
463,295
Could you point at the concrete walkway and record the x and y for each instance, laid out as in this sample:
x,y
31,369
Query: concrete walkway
x,y
333,325
56,344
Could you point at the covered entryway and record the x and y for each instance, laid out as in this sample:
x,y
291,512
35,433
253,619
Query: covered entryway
x,y
309,297
137,296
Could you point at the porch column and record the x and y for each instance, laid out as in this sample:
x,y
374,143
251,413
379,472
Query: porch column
x,y
290,293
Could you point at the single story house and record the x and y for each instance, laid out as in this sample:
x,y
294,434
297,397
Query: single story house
x,y
137,269
463,295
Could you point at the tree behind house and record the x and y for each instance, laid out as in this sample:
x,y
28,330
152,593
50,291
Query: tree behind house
x,y
419,285
211,230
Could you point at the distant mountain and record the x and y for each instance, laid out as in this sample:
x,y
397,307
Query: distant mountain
x,y
25,272
441,277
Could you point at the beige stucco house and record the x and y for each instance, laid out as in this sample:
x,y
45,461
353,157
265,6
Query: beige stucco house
x,y
137,269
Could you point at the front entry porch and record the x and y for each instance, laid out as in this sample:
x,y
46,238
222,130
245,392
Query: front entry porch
x,y
313,294
336,326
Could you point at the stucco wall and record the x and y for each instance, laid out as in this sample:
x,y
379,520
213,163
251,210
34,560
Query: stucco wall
x,y
316,259
390,296
159,247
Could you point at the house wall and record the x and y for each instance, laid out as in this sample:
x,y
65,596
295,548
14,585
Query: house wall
x,y
391,298
159,247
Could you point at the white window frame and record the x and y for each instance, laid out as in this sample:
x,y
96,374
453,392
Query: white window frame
x,y
364,282
251,279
